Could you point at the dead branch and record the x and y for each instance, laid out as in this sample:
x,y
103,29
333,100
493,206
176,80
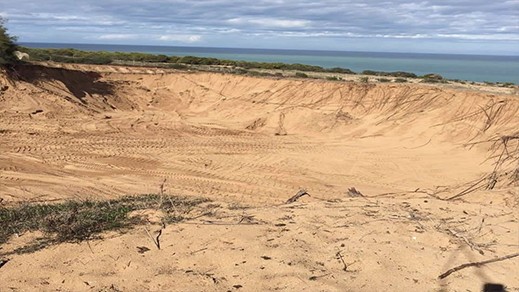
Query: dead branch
x,y
154,240
468,242
352,192
297,196
416,147
198,250
476,264
3,262
157,239
468,190
339,255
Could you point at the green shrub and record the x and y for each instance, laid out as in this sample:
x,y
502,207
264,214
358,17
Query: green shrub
x,y
301,75
392,74
340,70
364,79
333,78
400,80
383,80
7,45
432,76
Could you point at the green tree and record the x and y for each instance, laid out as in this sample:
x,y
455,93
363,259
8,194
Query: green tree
x,y
7,45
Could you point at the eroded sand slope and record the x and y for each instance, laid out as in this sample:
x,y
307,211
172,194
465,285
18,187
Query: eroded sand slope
x,y
85,132
231,137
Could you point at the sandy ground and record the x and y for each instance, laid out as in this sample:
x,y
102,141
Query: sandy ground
x,y
104,131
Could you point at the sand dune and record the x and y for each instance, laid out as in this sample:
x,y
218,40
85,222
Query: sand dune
x,y
102,132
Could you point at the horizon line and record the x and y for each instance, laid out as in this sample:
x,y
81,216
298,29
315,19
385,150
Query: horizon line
x,y
272,49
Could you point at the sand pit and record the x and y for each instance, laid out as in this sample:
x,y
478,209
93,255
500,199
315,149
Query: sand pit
x,y
437,169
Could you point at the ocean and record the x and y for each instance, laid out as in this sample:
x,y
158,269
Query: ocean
x,y
464,67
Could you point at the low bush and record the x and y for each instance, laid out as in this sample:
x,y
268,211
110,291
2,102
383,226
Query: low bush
x,y
392,74
364,79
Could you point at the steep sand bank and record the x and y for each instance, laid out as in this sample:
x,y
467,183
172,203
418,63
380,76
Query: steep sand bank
x,y
115,131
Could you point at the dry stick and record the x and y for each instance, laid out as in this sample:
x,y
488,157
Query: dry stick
x,y
297,196
155,241
352,192
3,262
467,190
161,192
469,243
198,250
342,260
476,264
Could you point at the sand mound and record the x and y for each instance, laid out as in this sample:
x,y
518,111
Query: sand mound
x,y
107,131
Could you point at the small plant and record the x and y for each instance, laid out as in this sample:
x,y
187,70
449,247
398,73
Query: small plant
x,y
400,80
333,78
364,79
383,80
432,76
429,80
507,84
301,75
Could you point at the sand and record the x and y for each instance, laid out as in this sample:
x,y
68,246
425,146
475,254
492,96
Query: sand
x,y
101,132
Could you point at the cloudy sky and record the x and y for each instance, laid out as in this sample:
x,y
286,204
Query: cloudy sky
x,y
436,26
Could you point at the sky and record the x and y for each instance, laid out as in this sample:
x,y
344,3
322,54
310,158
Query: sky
x,y
488,27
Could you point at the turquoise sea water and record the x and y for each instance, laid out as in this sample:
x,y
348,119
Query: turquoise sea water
x,y
463,67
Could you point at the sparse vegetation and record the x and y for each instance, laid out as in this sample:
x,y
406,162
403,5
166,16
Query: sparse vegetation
x,y
86,57
177,66
74,221
393,74
432,76
333,78
364,79
301,75
383,80
400,80
507,84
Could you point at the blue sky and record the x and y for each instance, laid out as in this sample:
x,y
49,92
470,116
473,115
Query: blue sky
x,y
439,26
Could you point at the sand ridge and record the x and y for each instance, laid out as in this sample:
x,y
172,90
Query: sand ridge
x,y
108,131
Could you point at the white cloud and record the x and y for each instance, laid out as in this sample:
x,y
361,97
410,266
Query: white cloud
x,y
180,38
116,36
270,22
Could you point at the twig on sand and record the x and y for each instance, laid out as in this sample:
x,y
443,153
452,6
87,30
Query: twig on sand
x,y
3,262
352,192
155,240
339,255
468,190
297,196
468,242
476,264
